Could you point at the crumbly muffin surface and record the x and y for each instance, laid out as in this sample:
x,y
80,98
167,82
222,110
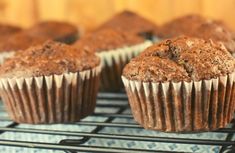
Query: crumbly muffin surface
x,y
53,30
132,23
181,26
216,32
181,59
7,30
20,41
197,26
48,59
108,39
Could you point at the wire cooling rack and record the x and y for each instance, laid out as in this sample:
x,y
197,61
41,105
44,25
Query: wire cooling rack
x,y
110,129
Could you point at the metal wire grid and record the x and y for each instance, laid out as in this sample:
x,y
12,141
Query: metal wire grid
x,y
106,101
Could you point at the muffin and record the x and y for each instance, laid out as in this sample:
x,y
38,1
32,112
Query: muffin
x,y
54,30
197,26
181,26
181,85
50,83
18,41
216,31
133,23
115,48
7,30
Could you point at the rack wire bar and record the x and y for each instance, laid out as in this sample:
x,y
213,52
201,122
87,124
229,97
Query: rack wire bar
x,y
70,147
81,139
122,137
228,138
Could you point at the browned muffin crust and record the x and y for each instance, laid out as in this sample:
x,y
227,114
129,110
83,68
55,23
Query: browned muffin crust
x,y
197,26
54,30
216,31
149,68
48,59
184,25
20,41
7,30
193,58
107,39
130,22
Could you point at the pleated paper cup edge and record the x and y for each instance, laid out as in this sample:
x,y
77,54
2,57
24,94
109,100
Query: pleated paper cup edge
x,y
117,58
97,70
8,84
123,52
136,86
6,54
125,79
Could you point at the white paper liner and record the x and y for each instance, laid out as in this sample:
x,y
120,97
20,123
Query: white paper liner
x,y
51,99
113,62
156,39
184,106
5,55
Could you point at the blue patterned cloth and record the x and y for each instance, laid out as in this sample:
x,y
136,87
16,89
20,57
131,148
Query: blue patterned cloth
x,y
106,142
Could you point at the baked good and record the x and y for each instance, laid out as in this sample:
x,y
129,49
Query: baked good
x,y
50,83
108,39
54,30
198,26
15,42
182,84
115,48
216,31
131,22
184,25
7,30
20,41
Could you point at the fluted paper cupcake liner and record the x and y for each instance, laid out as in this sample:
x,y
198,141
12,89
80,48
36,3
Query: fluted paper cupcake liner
x,y
113,62
156,39
51,99
5,55
184,106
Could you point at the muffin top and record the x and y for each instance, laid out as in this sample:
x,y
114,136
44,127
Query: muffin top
x,y
130,22
48,59
53,30
8,30
181,59
216,31
20,41
184,25
222,24
107,39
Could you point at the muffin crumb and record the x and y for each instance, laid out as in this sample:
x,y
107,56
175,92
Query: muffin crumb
x,y
48,59
193,58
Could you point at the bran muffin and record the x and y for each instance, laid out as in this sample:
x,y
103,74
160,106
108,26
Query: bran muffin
x,y
50,83
184,25
115,48
15,42
197,26
216,31
182,84
133,23
20,41
7,30
54,30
